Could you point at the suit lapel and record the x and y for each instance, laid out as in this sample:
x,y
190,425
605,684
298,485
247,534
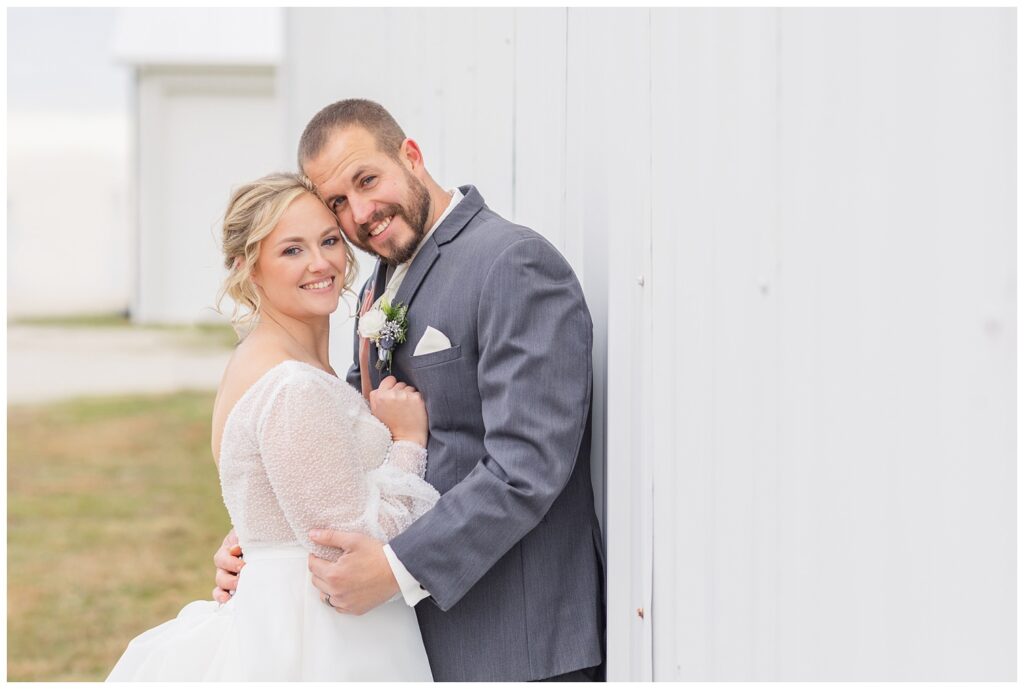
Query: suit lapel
x,y
417,271
460,216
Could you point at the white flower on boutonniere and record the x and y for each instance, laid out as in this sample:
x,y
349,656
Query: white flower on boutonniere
x,y
370,324
385,327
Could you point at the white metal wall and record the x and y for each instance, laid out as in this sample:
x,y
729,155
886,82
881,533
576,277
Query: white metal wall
x,y
795,230
834,238
609,127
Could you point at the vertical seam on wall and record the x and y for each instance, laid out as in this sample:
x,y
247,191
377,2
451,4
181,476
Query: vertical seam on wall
x,y
515,111
712,446
649,269
565,155
777,246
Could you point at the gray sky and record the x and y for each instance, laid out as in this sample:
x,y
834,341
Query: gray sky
x,y
59,59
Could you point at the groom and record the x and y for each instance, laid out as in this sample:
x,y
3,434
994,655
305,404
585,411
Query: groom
x,y
504,572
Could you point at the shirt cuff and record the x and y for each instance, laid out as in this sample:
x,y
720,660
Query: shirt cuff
x,y
410,588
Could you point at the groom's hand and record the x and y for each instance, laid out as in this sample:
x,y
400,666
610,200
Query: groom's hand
x,y
360,580
229,563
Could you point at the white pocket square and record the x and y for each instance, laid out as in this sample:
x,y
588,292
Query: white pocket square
x,y
433,340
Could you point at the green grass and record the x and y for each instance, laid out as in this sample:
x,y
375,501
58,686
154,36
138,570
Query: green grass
x,y
88,320
192,335
113,514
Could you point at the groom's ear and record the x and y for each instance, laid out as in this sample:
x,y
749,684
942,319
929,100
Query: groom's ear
x,y
410,155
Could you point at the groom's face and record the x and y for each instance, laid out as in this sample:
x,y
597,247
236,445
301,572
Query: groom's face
x,y
380,204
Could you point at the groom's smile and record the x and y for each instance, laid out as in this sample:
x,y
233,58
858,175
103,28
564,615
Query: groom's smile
x,y
381,226
378,229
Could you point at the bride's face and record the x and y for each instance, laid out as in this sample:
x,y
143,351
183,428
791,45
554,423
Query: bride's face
x,y
301,266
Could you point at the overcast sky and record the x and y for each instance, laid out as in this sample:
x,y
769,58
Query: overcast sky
x,y
59,59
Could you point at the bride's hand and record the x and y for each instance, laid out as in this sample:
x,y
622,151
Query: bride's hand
x,y
402,409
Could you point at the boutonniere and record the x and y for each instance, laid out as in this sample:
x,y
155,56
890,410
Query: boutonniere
x,y
385,326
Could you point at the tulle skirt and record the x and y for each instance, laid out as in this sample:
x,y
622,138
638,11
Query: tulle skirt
x,y
275,627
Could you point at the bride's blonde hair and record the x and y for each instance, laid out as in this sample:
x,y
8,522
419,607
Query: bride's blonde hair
x,y
253,212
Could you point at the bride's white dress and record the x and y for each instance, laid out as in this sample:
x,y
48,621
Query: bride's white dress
x,y
300,450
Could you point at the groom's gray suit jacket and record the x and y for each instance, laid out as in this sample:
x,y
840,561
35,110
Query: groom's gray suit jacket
x,y
511,554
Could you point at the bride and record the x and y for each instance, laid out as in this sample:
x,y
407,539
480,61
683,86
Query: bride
x,y
297,449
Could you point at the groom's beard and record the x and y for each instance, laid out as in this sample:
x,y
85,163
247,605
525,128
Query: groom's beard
x,y
415,216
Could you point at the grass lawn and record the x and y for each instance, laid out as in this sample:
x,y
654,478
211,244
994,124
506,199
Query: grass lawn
x,y
113,515
78,320
196,334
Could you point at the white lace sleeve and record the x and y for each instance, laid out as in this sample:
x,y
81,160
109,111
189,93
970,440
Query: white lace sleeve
x,y
332,464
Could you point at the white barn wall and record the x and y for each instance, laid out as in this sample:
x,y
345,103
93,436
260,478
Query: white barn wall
x,y
715,253
809,398
898,235
609,153
840,505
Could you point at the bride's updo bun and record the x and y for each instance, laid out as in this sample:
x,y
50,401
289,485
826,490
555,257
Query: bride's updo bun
x,y
253,212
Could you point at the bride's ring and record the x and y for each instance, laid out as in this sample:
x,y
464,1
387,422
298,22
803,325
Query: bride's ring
x,y
327,602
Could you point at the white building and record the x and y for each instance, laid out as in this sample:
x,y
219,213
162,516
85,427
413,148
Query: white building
x,y
207,118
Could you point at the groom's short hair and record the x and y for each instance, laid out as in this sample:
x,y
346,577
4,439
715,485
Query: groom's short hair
x,y
353,111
